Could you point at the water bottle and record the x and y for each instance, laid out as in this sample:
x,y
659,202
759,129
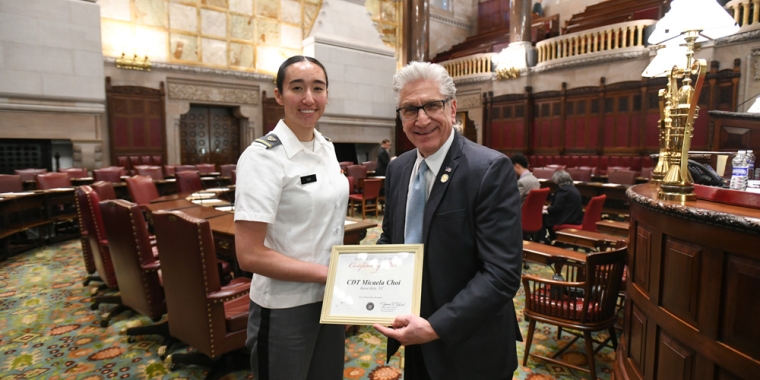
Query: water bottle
x,y
750,165
739,173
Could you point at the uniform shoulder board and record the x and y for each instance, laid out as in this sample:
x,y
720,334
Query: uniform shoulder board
x,y
270,141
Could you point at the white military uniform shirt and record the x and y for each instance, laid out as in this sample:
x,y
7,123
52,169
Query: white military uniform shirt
x,y
305,219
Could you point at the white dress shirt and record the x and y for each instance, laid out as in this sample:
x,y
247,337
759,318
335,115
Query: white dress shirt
x,y
304,219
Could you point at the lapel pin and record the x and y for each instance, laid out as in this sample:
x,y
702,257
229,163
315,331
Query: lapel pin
x,y
444,178
448,169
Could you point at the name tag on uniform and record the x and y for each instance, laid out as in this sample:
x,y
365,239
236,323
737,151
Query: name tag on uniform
x,y
308,179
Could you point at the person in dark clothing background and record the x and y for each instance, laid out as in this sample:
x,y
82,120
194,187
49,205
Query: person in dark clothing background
x,y
566,207
383,158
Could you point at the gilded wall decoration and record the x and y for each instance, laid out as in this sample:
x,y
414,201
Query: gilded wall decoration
x,y
242,35
212,93
469,101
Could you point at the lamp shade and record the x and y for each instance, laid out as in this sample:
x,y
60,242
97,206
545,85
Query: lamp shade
x,y
671,55
705,15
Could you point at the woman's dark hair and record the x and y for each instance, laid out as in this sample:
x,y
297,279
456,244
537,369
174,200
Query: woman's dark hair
x,y
295,59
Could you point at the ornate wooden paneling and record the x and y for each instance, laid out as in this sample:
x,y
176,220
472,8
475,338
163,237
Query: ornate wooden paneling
x,y
680,279
615,119
209,135
641,259
674,360
698,319
273,112
741,329
637,339
136,120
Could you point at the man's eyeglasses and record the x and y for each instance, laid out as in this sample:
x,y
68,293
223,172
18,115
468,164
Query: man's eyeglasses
x,y
433,108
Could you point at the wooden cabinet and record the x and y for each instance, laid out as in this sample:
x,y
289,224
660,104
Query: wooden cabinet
x,y
691,306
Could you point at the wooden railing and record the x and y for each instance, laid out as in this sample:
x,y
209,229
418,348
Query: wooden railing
x,y
593,41
478,64
746,13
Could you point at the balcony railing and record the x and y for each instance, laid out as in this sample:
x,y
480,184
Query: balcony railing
x,y
609,39
746,13
473,65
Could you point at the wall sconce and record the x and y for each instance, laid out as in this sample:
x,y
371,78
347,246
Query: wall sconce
x,y
134,63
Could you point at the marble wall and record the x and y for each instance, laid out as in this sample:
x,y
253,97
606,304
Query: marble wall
x,y
51,74
450,27
360,68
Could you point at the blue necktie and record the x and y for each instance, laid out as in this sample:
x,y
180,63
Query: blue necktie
x,y
416,207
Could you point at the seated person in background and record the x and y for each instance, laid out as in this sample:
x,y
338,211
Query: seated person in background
x,y
526,181
538,10
566,207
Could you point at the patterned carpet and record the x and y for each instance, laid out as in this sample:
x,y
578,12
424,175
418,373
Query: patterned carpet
x,y
47,331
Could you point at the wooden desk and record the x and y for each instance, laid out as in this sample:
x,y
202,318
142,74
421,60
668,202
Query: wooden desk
x,y
612,227
692,290
616,202
587,239
547,254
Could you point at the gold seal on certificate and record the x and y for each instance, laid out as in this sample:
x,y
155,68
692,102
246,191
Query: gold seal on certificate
x,y
369,284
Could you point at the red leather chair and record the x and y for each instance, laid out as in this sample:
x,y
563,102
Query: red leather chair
x,y
357,171
624,177
188,182
29,174
104,189
370,192
10,183
153,172
185,168
532,213
107,174
47,181
170,170
544,173
145,160
88,204
592,215
227,169
135,265
74,172
370,165
134,161
157,160
206,168
122,161
647,172
556,167
142,189
212,318
578,174
233,176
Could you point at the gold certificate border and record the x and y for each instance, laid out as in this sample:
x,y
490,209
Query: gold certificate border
x,y
390,249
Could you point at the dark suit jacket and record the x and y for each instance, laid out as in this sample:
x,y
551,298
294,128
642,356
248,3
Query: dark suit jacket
x,y
383,158
472,263
566,208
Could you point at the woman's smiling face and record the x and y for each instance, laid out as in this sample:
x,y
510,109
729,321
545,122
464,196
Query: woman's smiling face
x,y
304,97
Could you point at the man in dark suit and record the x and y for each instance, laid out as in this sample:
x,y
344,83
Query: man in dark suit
x,y
471,230
383,158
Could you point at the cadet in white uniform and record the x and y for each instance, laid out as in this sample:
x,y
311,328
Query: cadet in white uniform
x,y
290,206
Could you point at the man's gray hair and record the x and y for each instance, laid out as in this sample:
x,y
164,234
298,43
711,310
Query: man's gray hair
x,y
562,178
416,71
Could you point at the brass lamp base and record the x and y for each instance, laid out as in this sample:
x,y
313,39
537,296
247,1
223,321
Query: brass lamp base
x,y
677,193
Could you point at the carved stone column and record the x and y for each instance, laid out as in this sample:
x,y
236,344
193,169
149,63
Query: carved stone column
x,y
417,27
519,20
520,53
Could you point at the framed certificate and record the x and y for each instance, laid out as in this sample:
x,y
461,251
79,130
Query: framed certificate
x,y
369,284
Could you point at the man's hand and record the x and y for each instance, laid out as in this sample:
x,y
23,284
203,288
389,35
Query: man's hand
x,y
409,329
